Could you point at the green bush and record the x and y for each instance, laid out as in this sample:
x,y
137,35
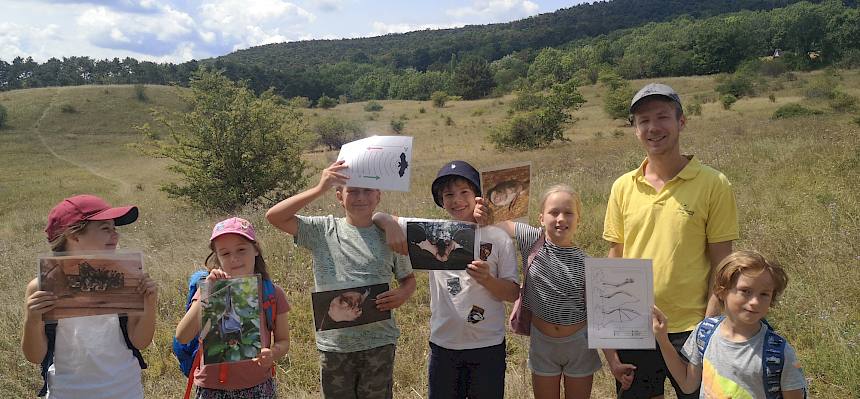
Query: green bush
x,y
736,84
842,102
326,102
422,110
694,109
728,100
372,106
772,97
299,102
334,132
68,109
140,93
793,110
821,87
439,98
449,121
397,126
3,116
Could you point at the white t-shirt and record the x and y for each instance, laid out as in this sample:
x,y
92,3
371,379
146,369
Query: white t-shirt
x,y
464,314
92,361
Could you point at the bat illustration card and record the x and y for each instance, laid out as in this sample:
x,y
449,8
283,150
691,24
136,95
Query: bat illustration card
x,y
348,307
440,244
92,283
381,162
619,297
506,192
231,318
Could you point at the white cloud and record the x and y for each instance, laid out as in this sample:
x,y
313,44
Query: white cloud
x,y
328,5
520,8
381,28
240,24
20,40
156,34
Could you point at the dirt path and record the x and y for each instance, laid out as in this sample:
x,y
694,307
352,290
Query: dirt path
x,y
123,186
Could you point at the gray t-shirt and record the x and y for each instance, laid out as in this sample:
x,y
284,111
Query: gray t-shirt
x,y
346,256
734,369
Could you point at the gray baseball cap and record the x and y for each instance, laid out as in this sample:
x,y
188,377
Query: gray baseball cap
x,y
655,89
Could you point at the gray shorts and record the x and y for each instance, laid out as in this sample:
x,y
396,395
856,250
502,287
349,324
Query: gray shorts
x,y
549,357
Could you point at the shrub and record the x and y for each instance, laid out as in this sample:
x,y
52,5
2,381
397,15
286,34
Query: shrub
x,y
68,109
299,102
3,116
617,133
397,125
342,99
772,97
694,109
422,110
334,132
793,110
616,104
372,106
449,121
439,98
326,102
527,100
737,84
820,87
842,102
856,120
233,148
140,93
543,125
728,100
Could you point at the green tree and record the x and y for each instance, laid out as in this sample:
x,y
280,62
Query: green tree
x,y
542,119
473,79
616,102
439,99
326,102
334,132
232,148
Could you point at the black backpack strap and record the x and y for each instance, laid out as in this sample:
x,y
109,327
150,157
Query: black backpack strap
x,y
123,325
50,337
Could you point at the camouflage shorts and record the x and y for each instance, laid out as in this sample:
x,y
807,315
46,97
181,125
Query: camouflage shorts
x,y
364,374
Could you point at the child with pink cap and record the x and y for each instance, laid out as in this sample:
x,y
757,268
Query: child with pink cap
x,y
236,253
93,357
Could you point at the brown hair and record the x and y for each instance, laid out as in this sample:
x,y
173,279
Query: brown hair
x,y
212,261
59,244
748,263
563,188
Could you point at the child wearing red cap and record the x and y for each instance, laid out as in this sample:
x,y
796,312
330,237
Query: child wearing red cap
x,y
91,357
236,253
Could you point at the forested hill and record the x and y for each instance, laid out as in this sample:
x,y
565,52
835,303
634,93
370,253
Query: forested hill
x,y
433,49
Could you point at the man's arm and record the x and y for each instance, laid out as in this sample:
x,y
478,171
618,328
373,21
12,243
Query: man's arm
x,y
716,253
616,250
283,214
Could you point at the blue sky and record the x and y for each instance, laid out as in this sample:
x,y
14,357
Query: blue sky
x,y
180,30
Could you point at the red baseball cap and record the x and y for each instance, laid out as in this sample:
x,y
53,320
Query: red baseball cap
x,y
86,207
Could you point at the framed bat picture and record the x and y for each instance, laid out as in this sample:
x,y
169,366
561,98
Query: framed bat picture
x,y
231,320
348,307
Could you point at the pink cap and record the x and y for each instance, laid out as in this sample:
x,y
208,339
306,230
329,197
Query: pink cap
x,y
85,207
234,225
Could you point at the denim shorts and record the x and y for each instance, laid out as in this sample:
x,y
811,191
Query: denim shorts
x,y
549,356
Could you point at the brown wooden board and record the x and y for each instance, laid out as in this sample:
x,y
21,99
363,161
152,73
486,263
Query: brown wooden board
x,y
92,283
506,192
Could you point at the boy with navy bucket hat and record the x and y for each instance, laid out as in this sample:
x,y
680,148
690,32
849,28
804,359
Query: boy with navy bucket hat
x,y
467,322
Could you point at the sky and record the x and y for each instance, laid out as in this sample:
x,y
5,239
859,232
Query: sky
x,y
180,30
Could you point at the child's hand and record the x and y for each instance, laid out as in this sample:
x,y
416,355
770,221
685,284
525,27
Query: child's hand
x,y
391,299
331,176
39,303
149,288
483,214
396,239
479,270
265,359
217,274
659,322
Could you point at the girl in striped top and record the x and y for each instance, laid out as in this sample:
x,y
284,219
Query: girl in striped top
x,y
555,293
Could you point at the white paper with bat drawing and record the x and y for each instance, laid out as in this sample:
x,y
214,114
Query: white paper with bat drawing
x,y
382,162
619,297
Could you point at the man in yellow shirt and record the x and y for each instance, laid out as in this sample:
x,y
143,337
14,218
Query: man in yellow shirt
x,y
681,215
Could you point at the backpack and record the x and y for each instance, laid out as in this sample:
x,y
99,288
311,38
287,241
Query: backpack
x,y
51,335
188,354
521,318
772,357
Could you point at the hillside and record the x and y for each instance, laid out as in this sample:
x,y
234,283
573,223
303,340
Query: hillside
x,y
795,181
433,49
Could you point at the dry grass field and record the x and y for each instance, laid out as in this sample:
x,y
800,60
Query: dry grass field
x,y
795,180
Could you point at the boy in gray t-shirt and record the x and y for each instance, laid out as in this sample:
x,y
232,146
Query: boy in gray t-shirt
x,y
732,365
355,362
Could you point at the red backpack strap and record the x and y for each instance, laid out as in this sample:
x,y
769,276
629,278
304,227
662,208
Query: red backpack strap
x,y
194,366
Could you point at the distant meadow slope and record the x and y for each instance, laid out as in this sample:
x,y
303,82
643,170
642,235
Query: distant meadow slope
x,y
795,179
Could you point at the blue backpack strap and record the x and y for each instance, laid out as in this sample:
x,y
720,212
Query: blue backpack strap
x,y
269,304
704,333
185,353
51,337
772,362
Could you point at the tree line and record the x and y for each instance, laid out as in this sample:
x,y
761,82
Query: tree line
x,y
809,35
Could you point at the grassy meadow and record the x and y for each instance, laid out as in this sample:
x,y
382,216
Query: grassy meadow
x,y
795,180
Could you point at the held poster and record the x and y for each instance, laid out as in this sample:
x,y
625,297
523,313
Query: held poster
x,y
619,296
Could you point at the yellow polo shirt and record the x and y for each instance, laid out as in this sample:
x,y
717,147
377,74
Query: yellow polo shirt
x,y
672,227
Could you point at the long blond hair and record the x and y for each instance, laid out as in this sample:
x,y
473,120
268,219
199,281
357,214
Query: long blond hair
x,y
563,188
